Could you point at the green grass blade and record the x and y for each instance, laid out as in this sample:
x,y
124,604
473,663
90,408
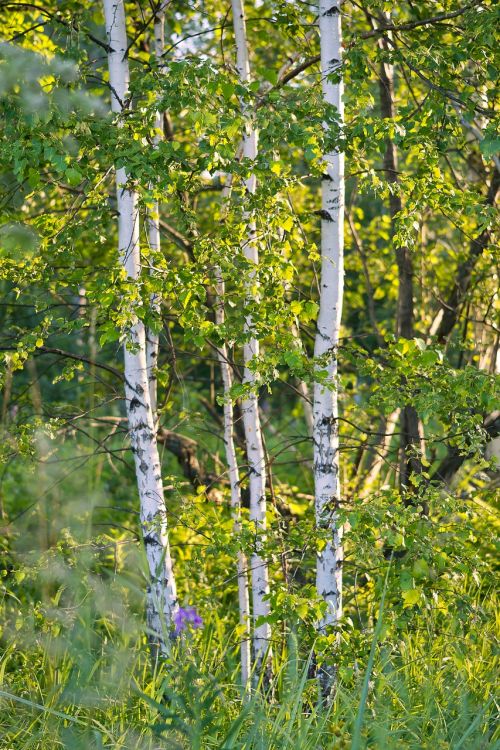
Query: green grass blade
x,y
41,707
356,735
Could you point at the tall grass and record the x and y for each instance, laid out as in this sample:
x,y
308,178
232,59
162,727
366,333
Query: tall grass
x,y
75,671
90,684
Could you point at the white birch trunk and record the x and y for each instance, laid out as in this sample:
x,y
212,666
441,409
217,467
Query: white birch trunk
x,y
325,408
250,407
152,338
234,480
161,595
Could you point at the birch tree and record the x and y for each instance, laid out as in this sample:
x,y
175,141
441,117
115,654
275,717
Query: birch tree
x,y
325,406
428,154
161,593
234,481
250,404
152,338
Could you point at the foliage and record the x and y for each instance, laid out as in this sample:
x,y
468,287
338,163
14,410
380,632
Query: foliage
x,y
75,670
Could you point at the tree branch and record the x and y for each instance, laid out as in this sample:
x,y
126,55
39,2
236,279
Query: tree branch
x,y
423,22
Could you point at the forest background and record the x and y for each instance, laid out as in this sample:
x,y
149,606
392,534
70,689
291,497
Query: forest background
x,y
168,342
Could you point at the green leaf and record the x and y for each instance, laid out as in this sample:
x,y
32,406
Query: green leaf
x,y
227,89
490,145
429,358
73,176
421,568
405,580
293,359
310,310
410,597
33,178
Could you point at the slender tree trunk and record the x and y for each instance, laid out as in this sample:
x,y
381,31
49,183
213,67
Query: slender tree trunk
x,y
411,438
161,594
307,409
250,407
325,407
375,466
450,312
152,337
234,480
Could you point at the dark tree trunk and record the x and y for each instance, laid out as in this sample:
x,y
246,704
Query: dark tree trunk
x,y
411,439
451,309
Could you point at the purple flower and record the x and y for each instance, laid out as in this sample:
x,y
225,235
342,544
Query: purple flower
x,y
186,618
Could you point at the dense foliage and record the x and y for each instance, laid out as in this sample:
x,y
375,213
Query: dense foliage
x,y
418,362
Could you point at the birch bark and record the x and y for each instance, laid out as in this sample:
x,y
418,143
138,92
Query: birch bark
x,y
325,406
234,480
152,338
161,593
250,408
